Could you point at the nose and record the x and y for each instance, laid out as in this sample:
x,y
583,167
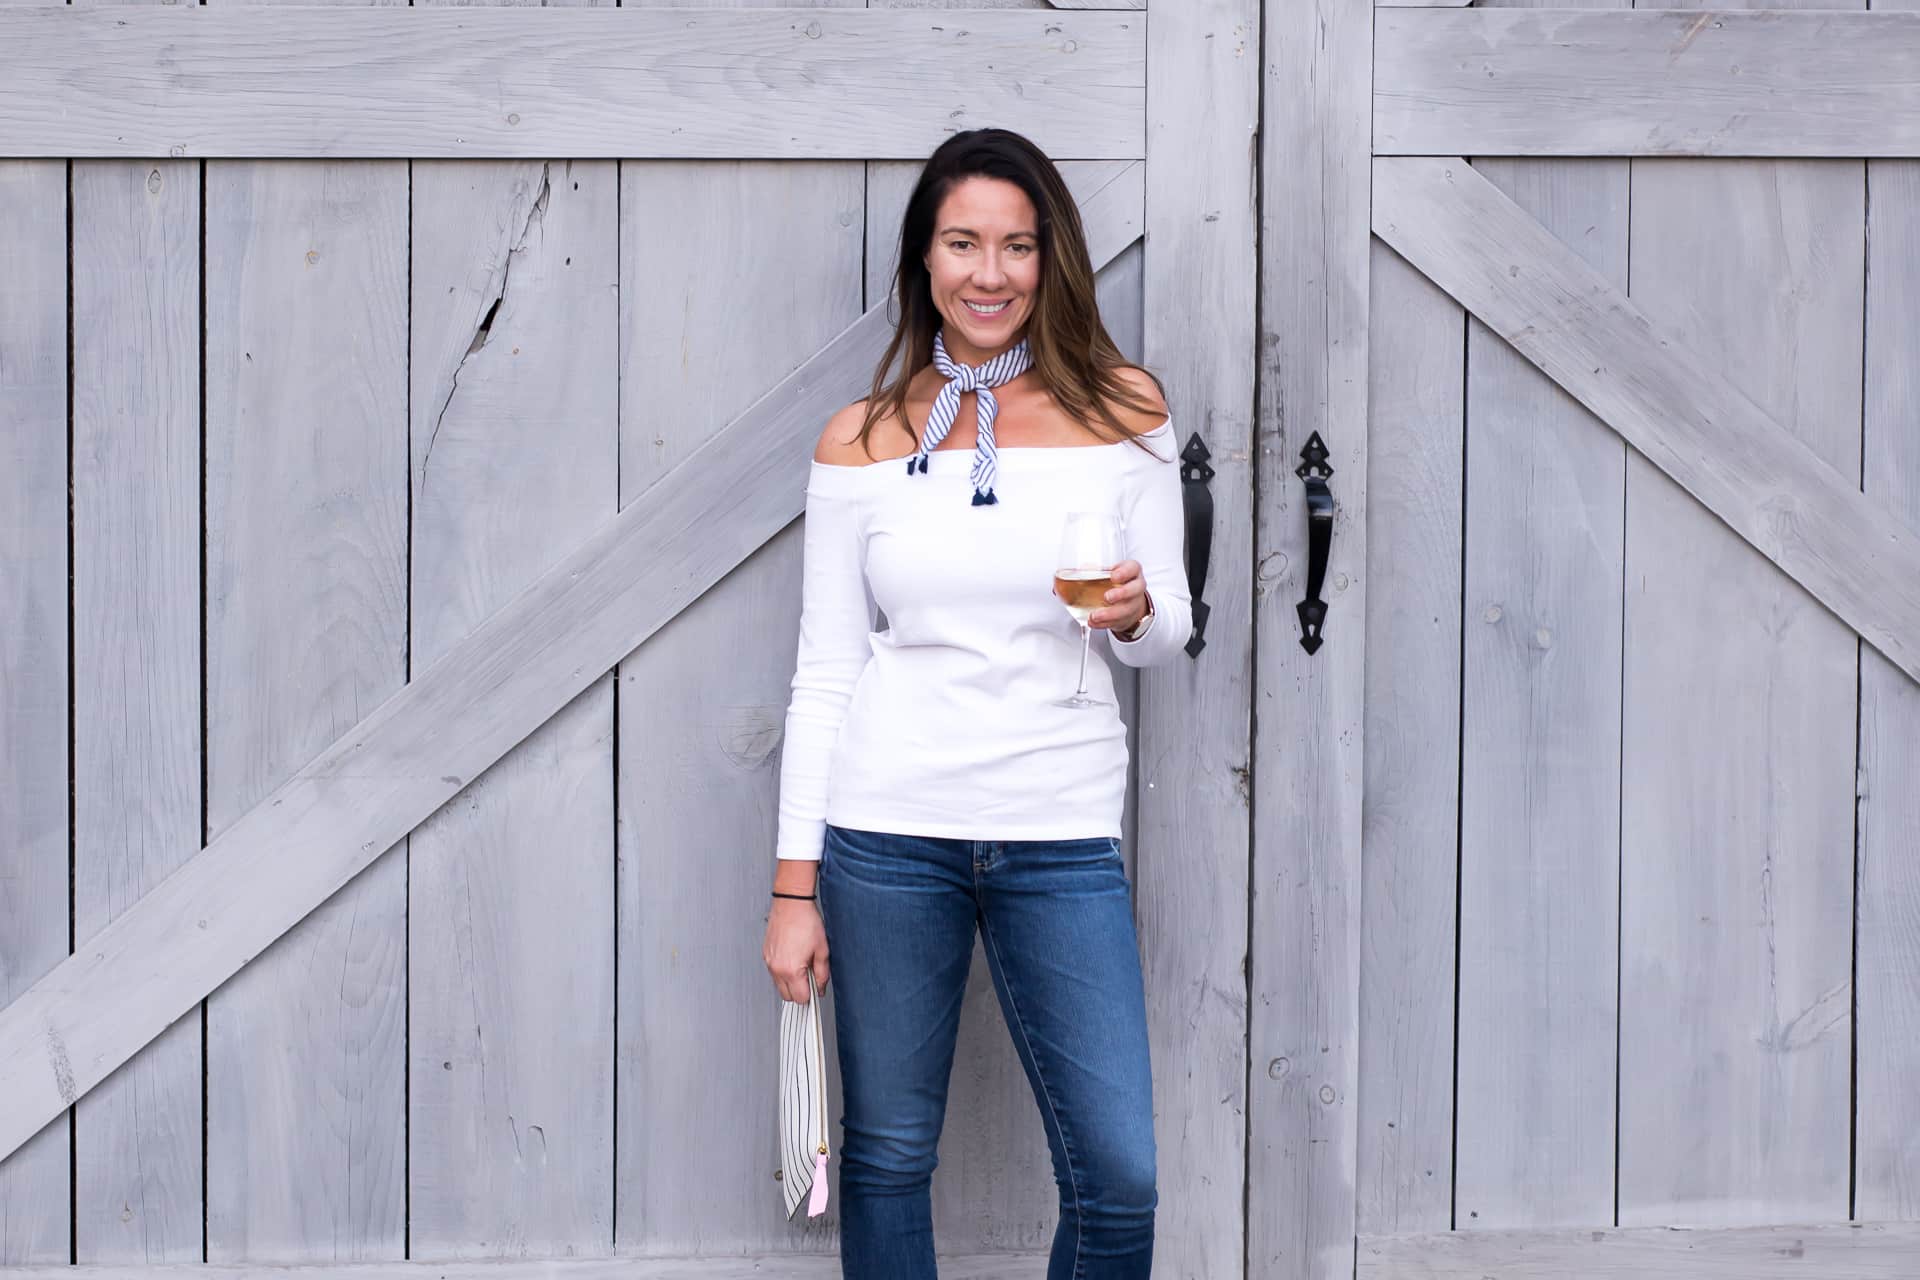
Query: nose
x,y
990,274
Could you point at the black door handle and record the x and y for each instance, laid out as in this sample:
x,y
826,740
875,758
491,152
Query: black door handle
x,y
1315,471
1197,500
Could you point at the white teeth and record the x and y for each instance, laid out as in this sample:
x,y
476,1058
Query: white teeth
x,y
987,311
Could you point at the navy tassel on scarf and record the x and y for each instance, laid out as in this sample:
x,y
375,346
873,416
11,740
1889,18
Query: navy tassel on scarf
x,y
979,379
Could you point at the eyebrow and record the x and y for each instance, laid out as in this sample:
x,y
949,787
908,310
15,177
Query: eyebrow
x,y
969,231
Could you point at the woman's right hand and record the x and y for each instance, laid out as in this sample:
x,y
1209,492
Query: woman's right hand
x,y
796,941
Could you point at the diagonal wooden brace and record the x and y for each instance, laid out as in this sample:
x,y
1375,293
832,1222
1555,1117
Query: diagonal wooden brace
x,y
1640,377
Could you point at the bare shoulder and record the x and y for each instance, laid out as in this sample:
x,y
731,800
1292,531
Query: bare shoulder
x,y
1143,387
840,442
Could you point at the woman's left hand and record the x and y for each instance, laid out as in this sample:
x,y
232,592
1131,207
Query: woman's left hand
x,y
1126,600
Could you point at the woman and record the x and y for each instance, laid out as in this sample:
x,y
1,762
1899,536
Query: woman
x,y
932,783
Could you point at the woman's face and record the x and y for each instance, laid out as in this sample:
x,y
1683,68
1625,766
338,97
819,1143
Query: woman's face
x,y
984,266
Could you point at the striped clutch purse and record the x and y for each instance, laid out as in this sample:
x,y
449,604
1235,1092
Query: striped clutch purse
x,y
803,1104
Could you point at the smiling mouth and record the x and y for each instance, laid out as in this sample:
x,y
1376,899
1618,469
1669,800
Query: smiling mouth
x,y
993,310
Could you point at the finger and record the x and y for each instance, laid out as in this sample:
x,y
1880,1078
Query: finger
x,y
1127,593
1126,571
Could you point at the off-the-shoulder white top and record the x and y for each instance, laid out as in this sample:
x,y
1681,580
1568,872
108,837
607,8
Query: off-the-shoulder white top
x,y
944,724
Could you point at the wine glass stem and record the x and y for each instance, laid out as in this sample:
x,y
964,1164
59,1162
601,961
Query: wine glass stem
x,y
1086,643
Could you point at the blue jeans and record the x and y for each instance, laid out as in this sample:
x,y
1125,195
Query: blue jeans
x,y
1057,919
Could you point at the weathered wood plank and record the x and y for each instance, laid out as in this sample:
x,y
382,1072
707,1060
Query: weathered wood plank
x,y
1737,787
1775,82
703,704
1854,1251
1191,880
1416,343
462,82
1540,784
136,592
1120,289
1887,1117
306,552
415,750
514,442
773,1266
974,6
137,698
1309,746
35,1190
1634,372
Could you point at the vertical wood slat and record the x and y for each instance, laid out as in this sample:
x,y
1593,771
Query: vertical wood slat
x,y
1739,690
1191,882
1415,465
1540,784
35,1199
306,630
510,886
137,697
702,704
510,904
1887,1118
136,693
1540,846
1309,720
1119,288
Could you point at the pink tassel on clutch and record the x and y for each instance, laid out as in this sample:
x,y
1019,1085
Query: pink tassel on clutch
x,y
817,1202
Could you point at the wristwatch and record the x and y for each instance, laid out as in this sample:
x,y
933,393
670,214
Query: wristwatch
x,y
1140,628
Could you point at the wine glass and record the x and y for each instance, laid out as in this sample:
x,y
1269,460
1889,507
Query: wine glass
x,y
1089,548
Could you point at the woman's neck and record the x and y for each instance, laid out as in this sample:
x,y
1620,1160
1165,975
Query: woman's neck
x,y
960,351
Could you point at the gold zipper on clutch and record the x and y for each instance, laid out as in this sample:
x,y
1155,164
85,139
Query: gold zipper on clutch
x,y
823,1084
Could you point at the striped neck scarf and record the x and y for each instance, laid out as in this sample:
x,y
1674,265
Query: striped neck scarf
x,y
979,379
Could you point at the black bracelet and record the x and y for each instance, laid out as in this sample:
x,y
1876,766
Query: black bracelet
x,y
804,897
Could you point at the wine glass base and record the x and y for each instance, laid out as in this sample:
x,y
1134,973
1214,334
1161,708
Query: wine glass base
x,y
1076,700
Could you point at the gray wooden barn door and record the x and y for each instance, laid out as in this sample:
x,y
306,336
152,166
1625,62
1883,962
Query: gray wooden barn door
x,y
1632,826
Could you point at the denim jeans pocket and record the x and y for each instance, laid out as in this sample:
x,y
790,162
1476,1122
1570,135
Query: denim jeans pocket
x,y
1089,851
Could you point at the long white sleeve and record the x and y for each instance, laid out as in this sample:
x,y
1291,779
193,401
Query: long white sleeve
x,y
1156,536
836,618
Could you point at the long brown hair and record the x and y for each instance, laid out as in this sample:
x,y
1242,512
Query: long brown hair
x,y
1073,355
